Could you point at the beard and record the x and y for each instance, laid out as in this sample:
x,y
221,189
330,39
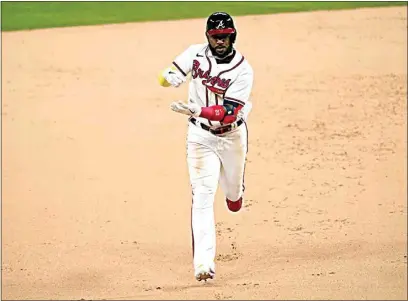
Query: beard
x,y
221,52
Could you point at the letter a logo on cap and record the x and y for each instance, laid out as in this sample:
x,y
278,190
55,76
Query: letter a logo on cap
x,y
221,25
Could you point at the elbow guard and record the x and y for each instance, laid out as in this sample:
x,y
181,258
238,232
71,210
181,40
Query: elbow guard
x,y
229,109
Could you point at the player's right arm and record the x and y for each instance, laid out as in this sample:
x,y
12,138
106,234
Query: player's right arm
x,y
176,74
171,77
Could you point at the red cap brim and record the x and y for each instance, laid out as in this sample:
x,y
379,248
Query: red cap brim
x,y
221,31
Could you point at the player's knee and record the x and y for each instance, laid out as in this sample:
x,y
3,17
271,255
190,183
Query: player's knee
x,y
203,200
206,191
204,187
203,195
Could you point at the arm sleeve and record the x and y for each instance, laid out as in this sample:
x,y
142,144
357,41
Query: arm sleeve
x,y
240,91
183,62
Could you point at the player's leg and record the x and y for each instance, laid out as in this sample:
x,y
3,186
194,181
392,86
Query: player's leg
x,y
233,158
204,170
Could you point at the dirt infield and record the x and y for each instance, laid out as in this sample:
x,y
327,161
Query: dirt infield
x,y
96,198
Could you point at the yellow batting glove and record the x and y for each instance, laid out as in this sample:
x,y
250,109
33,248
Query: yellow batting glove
x,y
171,77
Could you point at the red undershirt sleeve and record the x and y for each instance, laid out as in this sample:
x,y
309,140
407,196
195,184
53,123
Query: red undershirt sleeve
x,y
214,113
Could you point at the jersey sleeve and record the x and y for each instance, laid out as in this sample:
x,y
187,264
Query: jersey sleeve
x,y
240,90
184,61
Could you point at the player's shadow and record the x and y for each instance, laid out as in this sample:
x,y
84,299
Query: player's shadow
x,y
173,288
202,284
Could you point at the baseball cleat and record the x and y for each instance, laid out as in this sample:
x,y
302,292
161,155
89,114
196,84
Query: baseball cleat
x,y
204,274
234,206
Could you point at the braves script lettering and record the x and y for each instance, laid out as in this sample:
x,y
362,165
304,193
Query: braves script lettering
x,y
208,79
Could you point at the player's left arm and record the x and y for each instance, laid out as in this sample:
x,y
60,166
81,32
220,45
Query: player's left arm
x,y
236,102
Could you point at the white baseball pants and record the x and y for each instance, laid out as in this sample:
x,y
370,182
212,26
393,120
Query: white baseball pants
x,y
211,160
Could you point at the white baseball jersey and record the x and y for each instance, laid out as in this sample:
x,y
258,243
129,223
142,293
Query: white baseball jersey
x,y
211,83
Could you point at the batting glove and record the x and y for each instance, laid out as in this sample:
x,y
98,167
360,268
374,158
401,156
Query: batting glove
x,y
174,77
190,109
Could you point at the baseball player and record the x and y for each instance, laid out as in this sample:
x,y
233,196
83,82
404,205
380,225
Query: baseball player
x,y
217,140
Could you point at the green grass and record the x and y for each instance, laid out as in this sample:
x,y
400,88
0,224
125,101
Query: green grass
x,y
33,15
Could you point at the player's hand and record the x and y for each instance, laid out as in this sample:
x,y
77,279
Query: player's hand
x,y
190,109
174,77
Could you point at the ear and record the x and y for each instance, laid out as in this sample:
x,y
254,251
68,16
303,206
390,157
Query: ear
x,y
233,37
208,37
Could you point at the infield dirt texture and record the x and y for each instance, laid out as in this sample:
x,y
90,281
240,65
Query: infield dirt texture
x,y
95,190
